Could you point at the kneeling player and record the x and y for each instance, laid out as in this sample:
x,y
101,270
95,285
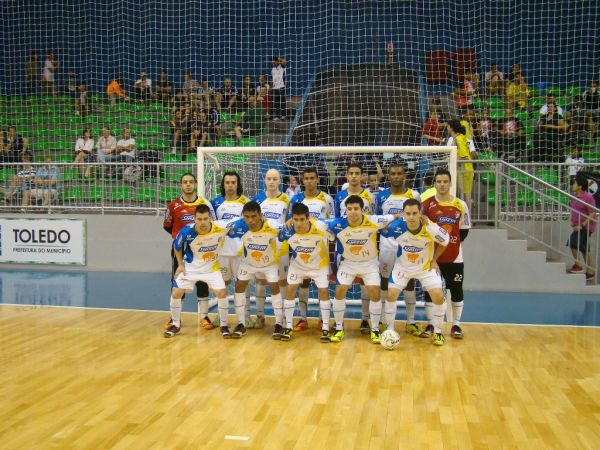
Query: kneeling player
x,y
309,260
196,249
417,259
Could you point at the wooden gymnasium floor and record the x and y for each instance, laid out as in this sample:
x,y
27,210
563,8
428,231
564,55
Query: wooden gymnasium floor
x,y
93,379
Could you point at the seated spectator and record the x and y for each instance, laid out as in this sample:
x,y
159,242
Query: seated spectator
x,y
207,95
202,132
84,146
549,137
484,132
83,103
106,145
142,88
245,93
226,95
23,180
47,184
115,92
264,100
582,125
517,93
179,126
50,67
214,116
591,99
494,82
180,102
164,88
515,71
432,131
15,146
32,74
72,88
124,153
3,154
252,122
551,99
511,139
467,90
191,90
263,83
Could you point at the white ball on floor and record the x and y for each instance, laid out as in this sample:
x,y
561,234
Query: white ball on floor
x,y
390,339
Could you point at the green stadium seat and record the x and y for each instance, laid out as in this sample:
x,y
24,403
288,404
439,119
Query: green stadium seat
x,y
248,142
125,118
72,193
63,144
550,176
239,158
591,157
95,193
65,99
535,114
157,107
121,107
175,174
143,117
521,114
41,145
553,90
142,144
552,197
562,102
487,177
517,176
573,91
65,158
491,197
168,193
137,107
92,118
526,198
6,174
495,103
535,92
97,98
77,130
70,174
478,103
171,158
191,158
497,114
56,119
59,131
136,131
75,119
163,117
38,132
226,142
154,130
22,121
120,194
145,194
537,102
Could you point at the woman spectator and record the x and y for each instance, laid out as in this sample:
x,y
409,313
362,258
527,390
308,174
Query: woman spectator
x,y
484,132
550,136
517,93
115,91
466,171
83,153
432,131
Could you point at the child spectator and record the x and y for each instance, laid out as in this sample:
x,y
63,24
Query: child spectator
x,y
293,186
575,163
84,106
114,91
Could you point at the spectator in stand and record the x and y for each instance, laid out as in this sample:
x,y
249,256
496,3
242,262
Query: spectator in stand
x,y
484,132
511,139
84,105
214,116
47,184
142,88
575,163
373,183
468,89
23,180
180,102
550,136
517,94
32,74
179,126
245,93
551,99
262,83
15,146
292,184
72,88
432,131
115,91
252,123
514,72
106,145
3,154
436,106
264,100
226,95
191,89
583,221
582,126
84,146
202,132
466,171
278,73
591,99
50,67
494,82
124,153
164,88
207,94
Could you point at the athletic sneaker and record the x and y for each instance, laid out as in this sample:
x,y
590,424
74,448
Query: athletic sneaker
x,y
427,332
364,327
169,323
413,328
171,331
206,323
382,326
239,331
301,325
325,336
287,334
225,332
438,339
456,332
260,322
576,268
337,336
590,275
277,332
375,337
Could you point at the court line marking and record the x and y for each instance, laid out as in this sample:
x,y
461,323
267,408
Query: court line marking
x,y
99,308
315,374
229,437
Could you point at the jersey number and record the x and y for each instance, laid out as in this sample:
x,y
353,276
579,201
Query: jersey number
x,y
458,278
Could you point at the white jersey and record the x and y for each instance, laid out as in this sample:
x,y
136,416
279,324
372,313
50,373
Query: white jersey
x,y
273,208
260,248
309,251
200,251
229,210
321,206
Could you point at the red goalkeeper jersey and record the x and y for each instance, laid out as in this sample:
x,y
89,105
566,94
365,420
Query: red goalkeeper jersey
x,y
179,213
452,216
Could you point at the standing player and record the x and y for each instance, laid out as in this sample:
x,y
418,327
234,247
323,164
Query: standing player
x,y
452,215
274,205
391,201
417,259
320,206
309,260
259,238
179,213
356,239
196,250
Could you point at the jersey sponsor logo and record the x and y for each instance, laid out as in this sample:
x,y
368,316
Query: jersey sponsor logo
x,y
271,215
305,249
305,257
395,211
356,241
316,215
229,216
188,217
411,249
440,238
258,247
209,256
446,219
256,255
210,248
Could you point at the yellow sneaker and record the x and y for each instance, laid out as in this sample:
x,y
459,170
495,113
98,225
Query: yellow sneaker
x,y
413,328
438,339
337,336
375,337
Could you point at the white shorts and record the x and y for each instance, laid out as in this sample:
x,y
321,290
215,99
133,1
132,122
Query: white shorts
x,y
284,262
248,272
38,194
297,274
388,249
430,279
368,271
214,280
229,266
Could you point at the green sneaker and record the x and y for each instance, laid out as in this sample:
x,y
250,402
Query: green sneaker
x,y
337,336
438,339
413,328
287,334
249,322
325,336
382,327
375,337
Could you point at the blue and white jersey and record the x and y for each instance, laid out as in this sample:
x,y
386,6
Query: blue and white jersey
x,y
273,208
310,250
415,249
320,206
340,202
260,248
388,203
200,251
230,210
358,243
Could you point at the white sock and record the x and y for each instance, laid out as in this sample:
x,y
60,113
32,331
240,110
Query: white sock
x,y
365,300
410,299
288,310
260,298
339,307
303,302
390,313
203,307
240,306
383,299
277,303
439,311
429,311
248,303
223,305
375,313
176,311
325,307
457,309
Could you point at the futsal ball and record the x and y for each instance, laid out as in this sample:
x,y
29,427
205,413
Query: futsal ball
x,y
390,339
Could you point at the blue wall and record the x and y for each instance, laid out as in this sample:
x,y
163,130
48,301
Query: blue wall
x,y
556,41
